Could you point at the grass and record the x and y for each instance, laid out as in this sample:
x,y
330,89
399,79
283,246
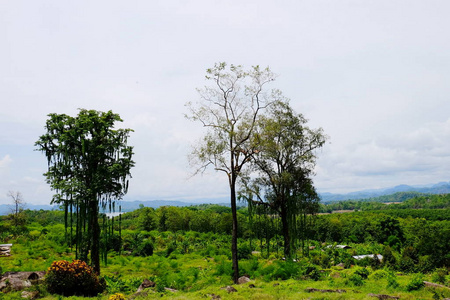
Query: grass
x,y
202,274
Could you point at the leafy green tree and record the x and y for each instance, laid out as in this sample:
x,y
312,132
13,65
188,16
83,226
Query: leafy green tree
x,y
229,109
89,165
147,218
285,162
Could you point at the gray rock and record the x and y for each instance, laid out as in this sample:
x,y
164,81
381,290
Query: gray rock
x,y
243,279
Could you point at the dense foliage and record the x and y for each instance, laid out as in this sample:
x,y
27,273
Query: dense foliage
x,y
188,249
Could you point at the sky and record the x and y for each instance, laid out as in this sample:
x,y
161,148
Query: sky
x,y
373,74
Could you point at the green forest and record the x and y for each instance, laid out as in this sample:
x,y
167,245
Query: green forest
x,y
185,252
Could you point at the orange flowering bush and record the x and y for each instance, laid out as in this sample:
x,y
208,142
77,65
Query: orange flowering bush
x,y
117,296
75,278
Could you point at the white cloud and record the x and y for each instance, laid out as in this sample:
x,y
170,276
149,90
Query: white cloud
x,y
373,74
415,157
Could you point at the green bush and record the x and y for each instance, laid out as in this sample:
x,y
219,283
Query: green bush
x,y
378,274
312,272
363,272
224,267
250,267
244,251
144,249
281,270
116,284
438,275
392,281
76,278
416,282
356,280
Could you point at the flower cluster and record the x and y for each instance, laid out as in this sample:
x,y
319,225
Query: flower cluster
x,y
75,278
117,296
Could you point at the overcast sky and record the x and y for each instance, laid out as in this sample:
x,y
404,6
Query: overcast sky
x,y
375,75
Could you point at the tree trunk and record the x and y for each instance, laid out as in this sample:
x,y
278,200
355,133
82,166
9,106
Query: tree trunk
x,y
234,232
286,233
95,227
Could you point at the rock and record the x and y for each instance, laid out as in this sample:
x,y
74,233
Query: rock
x,y
335,275
214,296
310,290
30,295
19,280
15,284
229,289
276,284
243,279
25,275
251,286
145,284
383,297
171,290
431,284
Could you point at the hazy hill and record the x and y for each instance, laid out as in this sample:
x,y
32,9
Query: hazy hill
x,y
439,188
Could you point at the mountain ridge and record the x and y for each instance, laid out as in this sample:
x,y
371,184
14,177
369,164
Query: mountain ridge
x,y
438,188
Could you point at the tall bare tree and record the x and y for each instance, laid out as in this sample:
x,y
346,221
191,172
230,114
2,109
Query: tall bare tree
x,y
18,207
229,108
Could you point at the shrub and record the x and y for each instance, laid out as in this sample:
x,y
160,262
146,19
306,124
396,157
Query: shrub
x,y
438,275
223,267
312,272
378,274
244,251
144,249
356,280
76,278
117,296
116,284
363,272
392,281
416,282
281,270
389,259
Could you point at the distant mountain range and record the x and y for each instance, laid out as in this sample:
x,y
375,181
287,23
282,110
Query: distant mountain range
x,y
126,205
439,188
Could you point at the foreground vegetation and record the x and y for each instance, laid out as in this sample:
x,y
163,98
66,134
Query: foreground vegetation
x,y
186,253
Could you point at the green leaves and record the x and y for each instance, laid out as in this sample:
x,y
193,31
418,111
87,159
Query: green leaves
x,y
89,164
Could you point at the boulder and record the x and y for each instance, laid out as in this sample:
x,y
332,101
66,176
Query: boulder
x,y
145,285
311,290
243,279
30,295
19,280
229,289
383,297
14,284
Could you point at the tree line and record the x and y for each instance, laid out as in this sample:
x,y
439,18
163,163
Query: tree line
x,y
400,200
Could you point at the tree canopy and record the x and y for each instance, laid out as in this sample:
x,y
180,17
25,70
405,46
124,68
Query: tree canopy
x,y
89,165
285,163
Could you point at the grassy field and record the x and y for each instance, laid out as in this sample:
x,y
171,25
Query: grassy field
x,y
205,274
